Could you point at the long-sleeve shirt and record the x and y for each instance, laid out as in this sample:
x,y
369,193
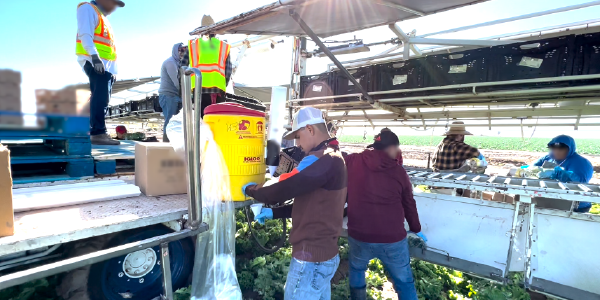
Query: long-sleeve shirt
x,y
87,21
380,198
319,193
169,74
451,154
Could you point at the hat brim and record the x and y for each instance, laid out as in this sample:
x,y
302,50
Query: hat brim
x,y
457,132
120,3
290,135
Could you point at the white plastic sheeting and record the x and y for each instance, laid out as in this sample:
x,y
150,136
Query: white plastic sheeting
x,y
214,276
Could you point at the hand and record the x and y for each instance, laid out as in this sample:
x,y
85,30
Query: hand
x,y
420,235
265,213
545,174
246,186
98,65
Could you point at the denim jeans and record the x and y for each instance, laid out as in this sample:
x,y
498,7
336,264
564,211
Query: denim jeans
x,y
395,259
169,105
310,281
101,88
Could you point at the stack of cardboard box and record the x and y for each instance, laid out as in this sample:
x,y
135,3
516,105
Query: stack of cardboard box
x,y
68,101
10,97
6,204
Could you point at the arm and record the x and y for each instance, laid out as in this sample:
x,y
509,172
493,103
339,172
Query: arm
x,y
87,20
540,161
408,203
466,151
306,181
284,212
228,69
173,72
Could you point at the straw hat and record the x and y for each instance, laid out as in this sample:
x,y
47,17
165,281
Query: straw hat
x,y
457,127
207,20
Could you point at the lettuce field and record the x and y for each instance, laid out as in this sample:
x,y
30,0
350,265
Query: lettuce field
x,y
584,146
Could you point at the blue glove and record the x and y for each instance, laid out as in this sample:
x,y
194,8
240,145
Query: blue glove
x,y
481,157
546,174
421,235
265,213
562,175
245,186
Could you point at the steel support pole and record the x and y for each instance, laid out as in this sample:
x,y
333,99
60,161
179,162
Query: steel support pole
x,y
92,258
165,263
191,122
325,50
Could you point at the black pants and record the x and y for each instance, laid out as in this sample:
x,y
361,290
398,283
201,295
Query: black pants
x,y
101,88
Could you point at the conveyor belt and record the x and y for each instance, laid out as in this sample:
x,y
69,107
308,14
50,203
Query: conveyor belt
x,y
507,185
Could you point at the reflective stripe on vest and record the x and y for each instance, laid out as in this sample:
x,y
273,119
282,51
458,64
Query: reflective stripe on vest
x,y
103,38
210,57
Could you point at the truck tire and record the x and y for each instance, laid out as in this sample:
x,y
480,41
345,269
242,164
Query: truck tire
x,y
108,280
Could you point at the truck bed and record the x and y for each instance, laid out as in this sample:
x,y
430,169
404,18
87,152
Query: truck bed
x,y
39,228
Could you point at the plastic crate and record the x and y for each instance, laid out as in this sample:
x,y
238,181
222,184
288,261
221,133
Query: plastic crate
x,y
399,75
456,68
364,76
316,86
247,102
587,54
552,57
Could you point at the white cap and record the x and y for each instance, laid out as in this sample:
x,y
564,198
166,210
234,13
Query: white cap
x,y
305,116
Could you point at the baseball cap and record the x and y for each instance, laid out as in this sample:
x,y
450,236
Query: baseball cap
x,y
385,139
305,116
121,129
557,145
120,3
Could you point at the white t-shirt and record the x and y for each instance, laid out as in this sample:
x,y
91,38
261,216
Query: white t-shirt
x,y
87,20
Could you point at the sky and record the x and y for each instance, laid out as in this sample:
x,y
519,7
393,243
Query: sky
x,y
38,36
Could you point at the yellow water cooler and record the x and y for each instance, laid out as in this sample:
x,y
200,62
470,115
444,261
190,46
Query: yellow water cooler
x,y
240,134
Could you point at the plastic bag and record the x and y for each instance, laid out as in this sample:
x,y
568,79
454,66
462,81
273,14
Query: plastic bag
x,y
214,276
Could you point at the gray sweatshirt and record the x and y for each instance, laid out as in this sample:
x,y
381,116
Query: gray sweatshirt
x,y
169,83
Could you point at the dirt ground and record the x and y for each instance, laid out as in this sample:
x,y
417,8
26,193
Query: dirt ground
x,y
499,161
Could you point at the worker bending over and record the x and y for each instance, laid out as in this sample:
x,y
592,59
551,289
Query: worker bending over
x,y
169,92
97,55
452,152
380,198
211,57
570,166
319,193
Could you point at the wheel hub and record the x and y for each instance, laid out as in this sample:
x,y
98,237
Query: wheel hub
x,y
139,263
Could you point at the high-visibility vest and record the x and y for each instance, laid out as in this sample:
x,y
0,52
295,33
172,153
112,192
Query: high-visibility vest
x,y
209,56
103,38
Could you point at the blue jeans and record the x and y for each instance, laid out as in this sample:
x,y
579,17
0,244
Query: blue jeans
x,y
101,88
310,281
169,105
395,259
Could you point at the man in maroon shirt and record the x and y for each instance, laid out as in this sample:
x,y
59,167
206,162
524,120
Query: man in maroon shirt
x,y
380,197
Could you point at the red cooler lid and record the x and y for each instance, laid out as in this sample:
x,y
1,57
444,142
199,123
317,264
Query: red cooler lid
x,y
230,108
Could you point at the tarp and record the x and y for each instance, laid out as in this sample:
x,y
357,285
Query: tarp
x,y
328,17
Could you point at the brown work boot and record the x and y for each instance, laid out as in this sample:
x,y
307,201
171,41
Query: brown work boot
x,y
103,139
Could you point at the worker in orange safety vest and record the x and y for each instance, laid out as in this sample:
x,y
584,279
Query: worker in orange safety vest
x,y
97,54
211,57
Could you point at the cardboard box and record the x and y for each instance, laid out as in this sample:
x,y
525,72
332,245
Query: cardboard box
x,y
6,204
67,101
9,120
10,76
10,103
159,170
